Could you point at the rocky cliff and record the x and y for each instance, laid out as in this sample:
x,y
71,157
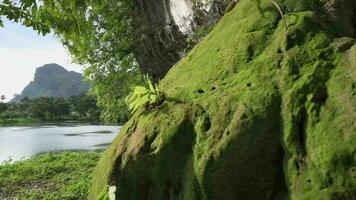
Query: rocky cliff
x,y
55,81
256,111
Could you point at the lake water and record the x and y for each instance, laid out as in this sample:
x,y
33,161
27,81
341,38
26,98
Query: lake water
x,y
23,142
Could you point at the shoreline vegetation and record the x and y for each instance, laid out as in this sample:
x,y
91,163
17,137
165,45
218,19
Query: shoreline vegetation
x,y
57,175
75,108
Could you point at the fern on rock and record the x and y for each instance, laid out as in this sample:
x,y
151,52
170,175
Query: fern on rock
x,y
148,96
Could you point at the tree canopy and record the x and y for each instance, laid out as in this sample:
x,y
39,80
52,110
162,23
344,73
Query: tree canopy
x,y
99,34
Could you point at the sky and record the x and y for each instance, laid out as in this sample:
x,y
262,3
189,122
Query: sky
x,y
22,50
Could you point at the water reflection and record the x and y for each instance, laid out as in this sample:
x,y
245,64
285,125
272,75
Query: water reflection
x,y
24,142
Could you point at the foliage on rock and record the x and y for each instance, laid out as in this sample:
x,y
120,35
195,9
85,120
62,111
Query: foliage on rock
x,y
143,97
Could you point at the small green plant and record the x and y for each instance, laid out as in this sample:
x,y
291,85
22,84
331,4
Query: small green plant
x,y
141,96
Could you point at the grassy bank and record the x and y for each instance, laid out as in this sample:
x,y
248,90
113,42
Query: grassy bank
x,y
52,176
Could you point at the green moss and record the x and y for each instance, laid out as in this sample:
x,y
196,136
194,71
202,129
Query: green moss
x,y
104,195
253,112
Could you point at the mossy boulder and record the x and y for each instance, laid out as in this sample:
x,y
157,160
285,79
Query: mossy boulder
x,y
254,112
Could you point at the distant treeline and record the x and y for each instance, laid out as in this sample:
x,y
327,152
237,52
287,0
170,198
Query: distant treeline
x,y
82,107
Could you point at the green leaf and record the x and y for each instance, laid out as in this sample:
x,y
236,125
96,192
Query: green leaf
x,y
142,96
154,98
140,102
157,89
140,90
149,83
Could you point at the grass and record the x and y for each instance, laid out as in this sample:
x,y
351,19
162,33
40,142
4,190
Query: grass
x,y
63,176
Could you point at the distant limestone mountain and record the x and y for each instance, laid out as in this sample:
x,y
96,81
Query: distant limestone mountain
x,y
55,81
